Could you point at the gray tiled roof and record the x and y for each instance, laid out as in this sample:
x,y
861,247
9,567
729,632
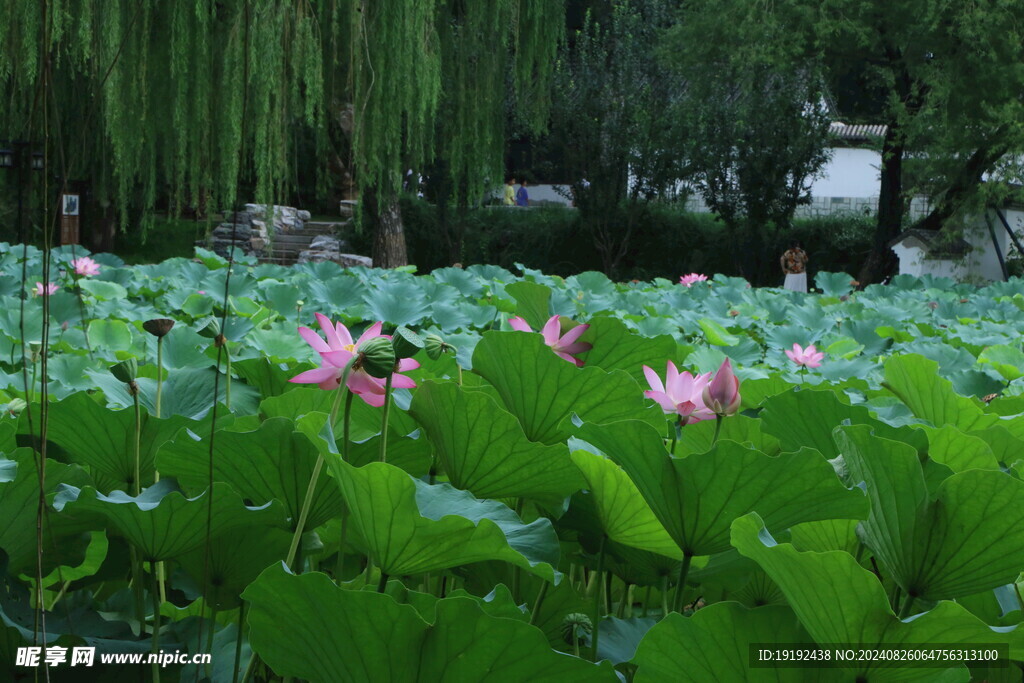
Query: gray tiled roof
x,y
856,132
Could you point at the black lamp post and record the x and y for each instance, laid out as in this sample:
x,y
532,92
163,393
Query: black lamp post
x,y
18,155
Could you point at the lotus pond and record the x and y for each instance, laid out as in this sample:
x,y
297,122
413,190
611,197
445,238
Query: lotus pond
x,y
659,479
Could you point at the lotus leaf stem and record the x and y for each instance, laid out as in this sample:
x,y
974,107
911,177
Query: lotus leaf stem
x,y
384,419
535,612
597,598
155,649
684,569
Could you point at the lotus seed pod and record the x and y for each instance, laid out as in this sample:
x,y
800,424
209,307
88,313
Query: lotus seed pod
x,y
158,327
126,371
376,357
406,343
577,626
434,345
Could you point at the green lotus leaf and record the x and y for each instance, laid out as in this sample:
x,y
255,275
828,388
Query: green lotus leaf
x,y
234,561
801,418
1007,360
411,527
103,440
860,612
958,451
392,644
274,462
716,334
19,500
616,348
161,522
623,514
916,382
713,645
111,335
102,289
532,302
483,448
698,437
697,497
542,390
968,539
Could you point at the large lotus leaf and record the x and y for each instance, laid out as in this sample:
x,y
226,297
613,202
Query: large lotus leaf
x,y
411,527
111,335
497,603
234,561
161,522
826,534
363,636
1008,361
271,379
274,462
396,302
541,389
802,418
839,601
958,451
969,539
620,637
698,437
19,499
697,497
915,381
716,334
624,515
104,439
713,645
616,348
532,302
483,448
365,419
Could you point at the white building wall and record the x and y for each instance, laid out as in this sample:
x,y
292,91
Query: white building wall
x,y
849,173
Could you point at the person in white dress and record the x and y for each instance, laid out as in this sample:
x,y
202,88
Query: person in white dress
x,y
794,265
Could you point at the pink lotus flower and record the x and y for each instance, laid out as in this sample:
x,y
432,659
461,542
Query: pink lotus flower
x,y
722,394
681,393
688,280
85,266
811,357
565,347
45,290
201,291
335,354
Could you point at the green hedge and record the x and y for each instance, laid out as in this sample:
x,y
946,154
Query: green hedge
x,y
667,243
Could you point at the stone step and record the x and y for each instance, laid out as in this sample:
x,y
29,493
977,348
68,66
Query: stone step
x,y
323,227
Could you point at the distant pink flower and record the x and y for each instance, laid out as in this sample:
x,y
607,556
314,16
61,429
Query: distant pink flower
x,y
46,290
811,357
201,291
85,266
565,347
681,393
688,280
722,394
335,354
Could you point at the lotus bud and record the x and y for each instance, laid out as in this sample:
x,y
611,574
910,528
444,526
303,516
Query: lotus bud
x,y
722,394
158,327
435,346
16,405
406,343
64,326
212,331
376,357
125,371
576,627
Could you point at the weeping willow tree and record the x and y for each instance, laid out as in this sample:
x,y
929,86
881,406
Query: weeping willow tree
x,y
184,102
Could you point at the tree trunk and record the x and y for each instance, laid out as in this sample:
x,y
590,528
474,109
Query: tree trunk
x,y
965,182
881,261
385,219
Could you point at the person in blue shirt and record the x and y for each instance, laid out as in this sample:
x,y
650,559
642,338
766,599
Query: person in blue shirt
x,y
522,196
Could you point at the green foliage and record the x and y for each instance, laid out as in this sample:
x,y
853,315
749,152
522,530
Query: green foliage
x,y
520,496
